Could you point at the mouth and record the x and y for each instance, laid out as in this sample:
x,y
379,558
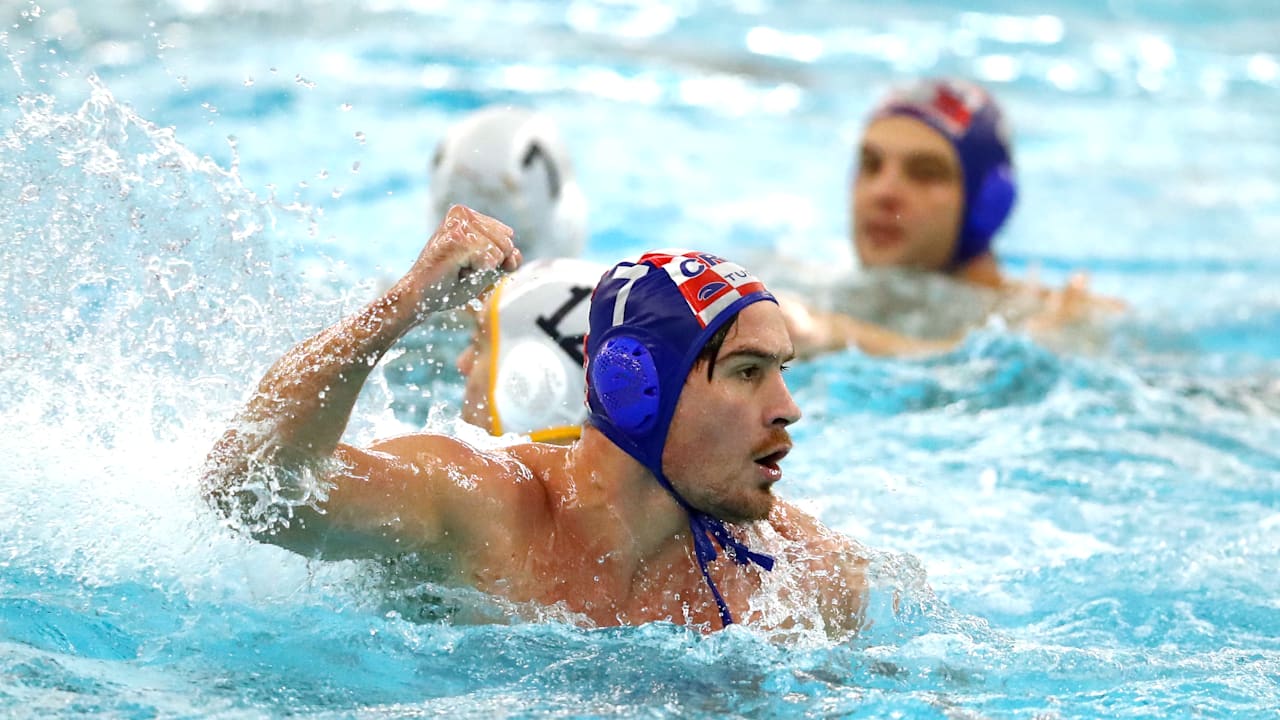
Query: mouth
x,y
769,464
882,234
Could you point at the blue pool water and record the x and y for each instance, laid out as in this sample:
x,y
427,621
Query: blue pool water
x,y
1088,528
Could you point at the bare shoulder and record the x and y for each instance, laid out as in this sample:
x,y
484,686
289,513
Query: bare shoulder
x,y
799,526
490,479
835,564
431,492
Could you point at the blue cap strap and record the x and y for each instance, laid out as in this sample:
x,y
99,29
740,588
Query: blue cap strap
x,y
702,525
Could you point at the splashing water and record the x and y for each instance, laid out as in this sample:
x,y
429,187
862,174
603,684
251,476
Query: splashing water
x,y
139,282
1099,532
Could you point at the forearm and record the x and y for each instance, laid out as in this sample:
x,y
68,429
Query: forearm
x,y
292,424
281,457
305,400
881,341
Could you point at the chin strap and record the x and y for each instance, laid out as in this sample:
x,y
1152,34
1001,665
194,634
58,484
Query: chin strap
x,y
703,525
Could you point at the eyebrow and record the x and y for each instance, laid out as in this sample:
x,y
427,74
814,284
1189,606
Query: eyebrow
x,y
928,156
870,148
759,354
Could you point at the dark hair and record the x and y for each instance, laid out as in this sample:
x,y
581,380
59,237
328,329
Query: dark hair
x,y
711,350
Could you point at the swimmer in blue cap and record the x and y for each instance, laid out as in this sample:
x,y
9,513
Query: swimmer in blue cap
x,y
663,510
934,181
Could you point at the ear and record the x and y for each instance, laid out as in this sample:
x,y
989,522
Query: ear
x,y
625,379
992,203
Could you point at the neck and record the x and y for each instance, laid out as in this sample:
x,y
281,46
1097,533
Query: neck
x,y
982,270
620,503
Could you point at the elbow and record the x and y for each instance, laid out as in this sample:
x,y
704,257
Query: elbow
x,y
223,477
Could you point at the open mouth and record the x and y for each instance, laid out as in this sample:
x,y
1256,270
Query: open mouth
x,y
770,461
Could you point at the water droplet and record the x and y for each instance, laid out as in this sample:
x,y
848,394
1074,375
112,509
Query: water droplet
x,y
337,193
360,136
30,193
323,174
345,107
248,81
355,166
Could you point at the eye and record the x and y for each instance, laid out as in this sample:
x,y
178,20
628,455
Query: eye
x,y
749,372
868,162
930,170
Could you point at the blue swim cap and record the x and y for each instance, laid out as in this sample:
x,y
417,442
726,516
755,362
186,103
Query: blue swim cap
x,y
649,321
967,116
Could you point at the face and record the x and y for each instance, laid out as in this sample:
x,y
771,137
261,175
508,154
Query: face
x,y
908,196
474,363
729,433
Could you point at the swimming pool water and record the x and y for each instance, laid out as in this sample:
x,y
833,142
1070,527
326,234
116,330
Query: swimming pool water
x,y
1089,528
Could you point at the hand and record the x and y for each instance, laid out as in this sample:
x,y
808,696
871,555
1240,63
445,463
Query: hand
x,y
1072,305
461,259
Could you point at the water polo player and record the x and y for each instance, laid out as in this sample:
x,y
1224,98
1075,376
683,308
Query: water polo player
x,y
646,517
511,163
933,181
524,366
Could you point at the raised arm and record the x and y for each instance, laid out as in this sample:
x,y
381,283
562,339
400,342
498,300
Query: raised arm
x,y
281,469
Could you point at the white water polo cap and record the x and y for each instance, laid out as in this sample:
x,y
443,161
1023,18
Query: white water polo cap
x,y
538,317
510,163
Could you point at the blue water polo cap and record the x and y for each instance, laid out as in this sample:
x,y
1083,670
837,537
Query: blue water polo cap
x,y
649,321
967,116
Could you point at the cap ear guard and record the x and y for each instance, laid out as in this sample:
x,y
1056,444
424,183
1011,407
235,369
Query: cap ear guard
x,y
625,379
524,395
992,203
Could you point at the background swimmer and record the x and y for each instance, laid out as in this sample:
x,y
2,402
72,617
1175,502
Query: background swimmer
x,y
524,365
933,183
511,163
506,162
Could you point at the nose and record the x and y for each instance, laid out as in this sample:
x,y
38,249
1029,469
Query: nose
x,y
885,184
785,411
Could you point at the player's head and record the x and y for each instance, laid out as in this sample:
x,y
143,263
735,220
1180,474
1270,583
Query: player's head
x,y
934,177
510,163
524,369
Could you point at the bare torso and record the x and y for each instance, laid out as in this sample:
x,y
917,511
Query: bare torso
x,y
566,546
